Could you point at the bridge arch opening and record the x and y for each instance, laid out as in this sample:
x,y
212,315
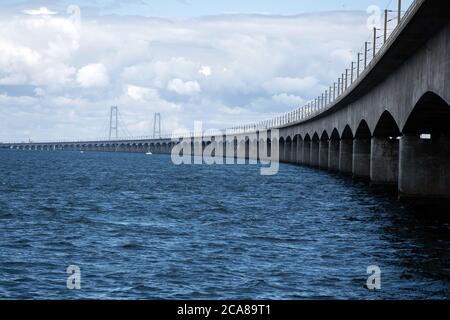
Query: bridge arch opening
x,y
363,131
346,151
424,168
430,116
281,148
384,157
296,148
361,151
314,156
272,144
307,149
347,133
324,147
387,127
288,150
333,150
247,148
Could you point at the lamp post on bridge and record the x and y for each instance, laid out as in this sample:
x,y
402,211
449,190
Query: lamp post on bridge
x,y
365,54
358,63
374,41
353,68
346,79
385,24
334,91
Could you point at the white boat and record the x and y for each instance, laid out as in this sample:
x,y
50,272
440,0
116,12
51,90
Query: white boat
x,y
149,153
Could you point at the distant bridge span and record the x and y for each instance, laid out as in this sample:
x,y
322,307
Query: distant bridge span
x,y
391,125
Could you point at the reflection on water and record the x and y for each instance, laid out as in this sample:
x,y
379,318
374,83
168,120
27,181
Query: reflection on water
x,y
140,227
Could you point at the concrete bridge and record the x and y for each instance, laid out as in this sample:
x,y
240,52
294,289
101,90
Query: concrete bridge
x,y
390,123
155,146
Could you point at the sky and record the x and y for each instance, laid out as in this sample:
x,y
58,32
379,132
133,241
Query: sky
x,y
63,64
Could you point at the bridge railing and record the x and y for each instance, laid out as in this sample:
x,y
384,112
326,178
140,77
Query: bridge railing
x,y
335,92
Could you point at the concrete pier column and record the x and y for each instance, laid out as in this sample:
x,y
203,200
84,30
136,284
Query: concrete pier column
x,y
346,156
323,154
247,149
424,170
241,151
294,150
314,159
262,150
333,155
307,152
282,147
253,150
361,158
288,150
384,159
300,151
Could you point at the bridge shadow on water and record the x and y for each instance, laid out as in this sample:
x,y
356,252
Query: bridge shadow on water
x,y
424,209
423,223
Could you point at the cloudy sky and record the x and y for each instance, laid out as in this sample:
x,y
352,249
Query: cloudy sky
x,y
64,63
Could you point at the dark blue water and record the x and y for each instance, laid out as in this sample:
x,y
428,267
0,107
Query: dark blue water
x,y
141,228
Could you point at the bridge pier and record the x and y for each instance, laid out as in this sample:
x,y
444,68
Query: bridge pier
x,y
307,152
288,150
361,158
282,147
424,170
384,160
314,159
346,156
300,151
294,150
324,146
333,155
229,149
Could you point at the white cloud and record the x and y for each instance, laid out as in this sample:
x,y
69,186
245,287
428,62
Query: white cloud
x,y
206,71
223,70
39,12
39,92
93,75
288,99
291,85
342,55
185,88
140,93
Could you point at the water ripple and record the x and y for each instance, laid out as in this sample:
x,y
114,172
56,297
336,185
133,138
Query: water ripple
x,y
142,228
